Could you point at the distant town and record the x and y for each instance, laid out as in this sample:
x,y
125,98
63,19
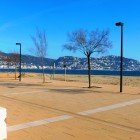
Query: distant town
x,y
72,63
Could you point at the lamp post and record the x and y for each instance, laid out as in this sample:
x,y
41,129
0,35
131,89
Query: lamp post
x,y
121,65
20,62
53,70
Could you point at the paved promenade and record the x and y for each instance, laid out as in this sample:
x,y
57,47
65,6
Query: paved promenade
x,y
69,110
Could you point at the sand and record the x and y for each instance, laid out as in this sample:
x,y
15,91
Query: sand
x,y
31,100
132,81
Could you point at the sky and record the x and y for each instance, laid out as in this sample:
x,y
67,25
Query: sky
x,y
20,18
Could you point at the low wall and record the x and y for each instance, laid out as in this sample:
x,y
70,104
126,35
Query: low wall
x,y
3,127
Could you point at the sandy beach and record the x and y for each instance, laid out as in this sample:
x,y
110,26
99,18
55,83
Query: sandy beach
x,y
133,81
30,102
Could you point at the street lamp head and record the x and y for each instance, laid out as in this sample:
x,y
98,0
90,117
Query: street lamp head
x,y
119,24
18,43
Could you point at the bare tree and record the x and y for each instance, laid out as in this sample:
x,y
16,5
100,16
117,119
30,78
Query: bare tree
x,y
8,61
41,45
88,42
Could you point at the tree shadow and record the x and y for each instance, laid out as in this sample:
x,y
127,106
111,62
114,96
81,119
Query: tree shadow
x,y
83,91
13,85
70,91
92,87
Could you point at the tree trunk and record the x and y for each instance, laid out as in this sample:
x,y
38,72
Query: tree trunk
x,y
43,75
15,71
89,71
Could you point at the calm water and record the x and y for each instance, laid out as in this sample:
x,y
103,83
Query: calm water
x,y
82,72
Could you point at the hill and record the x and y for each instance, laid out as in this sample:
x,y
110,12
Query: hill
x,y
110,62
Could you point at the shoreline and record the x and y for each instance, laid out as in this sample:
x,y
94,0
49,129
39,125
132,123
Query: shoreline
x,y
76,72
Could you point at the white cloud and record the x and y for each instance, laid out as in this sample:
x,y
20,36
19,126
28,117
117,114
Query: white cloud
x,y
5,26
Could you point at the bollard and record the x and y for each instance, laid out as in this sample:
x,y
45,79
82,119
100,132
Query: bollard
x,y
3,127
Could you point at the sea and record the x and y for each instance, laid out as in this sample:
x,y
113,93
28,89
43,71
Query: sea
x,y
76,72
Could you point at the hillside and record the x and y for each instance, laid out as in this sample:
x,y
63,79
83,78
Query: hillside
x,y
103,63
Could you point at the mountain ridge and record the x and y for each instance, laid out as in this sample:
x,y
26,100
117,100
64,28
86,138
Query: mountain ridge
x,y
110,62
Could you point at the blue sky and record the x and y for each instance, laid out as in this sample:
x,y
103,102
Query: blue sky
x,y
19,19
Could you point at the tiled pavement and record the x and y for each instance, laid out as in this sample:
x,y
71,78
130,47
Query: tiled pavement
x,y
57,108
